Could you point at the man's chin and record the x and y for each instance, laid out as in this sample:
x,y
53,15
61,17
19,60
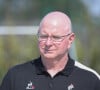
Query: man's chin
x,y
49,56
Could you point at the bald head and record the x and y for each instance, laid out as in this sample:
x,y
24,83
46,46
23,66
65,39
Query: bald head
x,y
56,19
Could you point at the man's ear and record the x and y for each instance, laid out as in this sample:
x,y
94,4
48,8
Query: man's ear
x,y
71,39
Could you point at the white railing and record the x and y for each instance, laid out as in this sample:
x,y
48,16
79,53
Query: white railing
x,y
18,30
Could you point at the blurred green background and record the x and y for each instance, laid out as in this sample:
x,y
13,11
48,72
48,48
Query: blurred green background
x,y
16,49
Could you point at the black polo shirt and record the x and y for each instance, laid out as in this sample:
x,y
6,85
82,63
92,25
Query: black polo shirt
x,y
33,76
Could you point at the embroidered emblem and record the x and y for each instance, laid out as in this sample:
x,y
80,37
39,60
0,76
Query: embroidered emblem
x,y
30,86
70,87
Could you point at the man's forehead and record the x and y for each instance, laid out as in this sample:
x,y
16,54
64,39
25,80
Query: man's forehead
x,y
53,31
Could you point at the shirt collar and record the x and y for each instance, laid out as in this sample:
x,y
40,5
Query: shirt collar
x,y
40,69
68,68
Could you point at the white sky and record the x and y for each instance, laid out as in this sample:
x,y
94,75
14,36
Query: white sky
x,y
93,7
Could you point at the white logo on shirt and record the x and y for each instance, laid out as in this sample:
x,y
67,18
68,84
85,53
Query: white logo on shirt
x,y
30,86
70,87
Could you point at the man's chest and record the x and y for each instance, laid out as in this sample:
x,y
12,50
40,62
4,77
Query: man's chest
x,y
41,82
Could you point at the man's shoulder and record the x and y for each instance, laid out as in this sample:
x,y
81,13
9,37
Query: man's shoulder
x,y
24,67
84,70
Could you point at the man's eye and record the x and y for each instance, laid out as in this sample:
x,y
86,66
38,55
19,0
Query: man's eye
x,y
43,36
56,37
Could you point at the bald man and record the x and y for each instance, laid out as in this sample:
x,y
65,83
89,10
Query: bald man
x,y
54,69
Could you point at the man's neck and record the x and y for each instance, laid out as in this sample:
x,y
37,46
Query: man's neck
x,y
54,66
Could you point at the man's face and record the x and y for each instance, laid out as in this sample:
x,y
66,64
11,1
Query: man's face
x,y
51,44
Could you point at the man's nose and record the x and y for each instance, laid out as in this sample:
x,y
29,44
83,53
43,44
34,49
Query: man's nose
x,y
49,41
